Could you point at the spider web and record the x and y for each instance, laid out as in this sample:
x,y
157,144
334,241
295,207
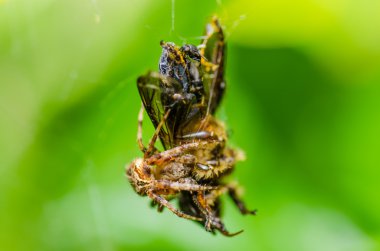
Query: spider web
x,y
173,16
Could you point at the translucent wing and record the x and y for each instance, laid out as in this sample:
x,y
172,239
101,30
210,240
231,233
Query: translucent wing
x,y
150,89
160,94
213,50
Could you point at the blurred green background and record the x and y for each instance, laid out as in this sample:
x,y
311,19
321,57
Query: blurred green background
x,y
302,101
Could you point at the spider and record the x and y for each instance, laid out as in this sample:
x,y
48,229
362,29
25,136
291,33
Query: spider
x,y
181,100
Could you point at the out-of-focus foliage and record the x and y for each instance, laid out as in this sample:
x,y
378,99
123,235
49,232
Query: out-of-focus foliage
x,y
303,102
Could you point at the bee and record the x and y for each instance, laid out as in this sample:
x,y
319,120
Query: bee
x,y
181,100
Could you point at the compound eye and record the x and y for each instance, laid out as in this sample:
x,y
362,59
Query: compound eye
x,y
191,47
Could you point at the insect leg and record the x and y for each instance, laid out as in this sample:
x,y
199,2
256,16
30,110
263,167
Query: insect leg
x,y
155,135
162,201
139,129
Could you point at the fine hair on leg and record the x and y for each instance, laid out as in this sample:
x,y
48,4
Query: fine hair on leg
x,y
162,201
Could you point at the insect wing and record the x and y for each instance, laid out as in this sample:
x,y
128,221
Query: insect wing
x,y
159,94
213,50
150,87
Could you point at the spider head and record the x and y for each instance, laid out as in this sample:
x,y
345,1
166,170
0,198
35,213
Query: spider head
x,y
139,176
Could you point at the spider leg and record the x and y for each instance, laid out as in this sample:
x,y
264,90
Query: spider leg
x,y
200,201
226,233
211,196
232,192
162,201
172,153
181,186
212,222
160,207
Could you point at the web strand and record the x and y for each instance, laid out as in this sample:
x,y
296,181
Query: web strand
x,y
173,15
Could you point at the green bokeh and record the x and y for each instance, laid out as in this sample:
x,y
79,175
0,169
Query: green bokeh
x,y
302,101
